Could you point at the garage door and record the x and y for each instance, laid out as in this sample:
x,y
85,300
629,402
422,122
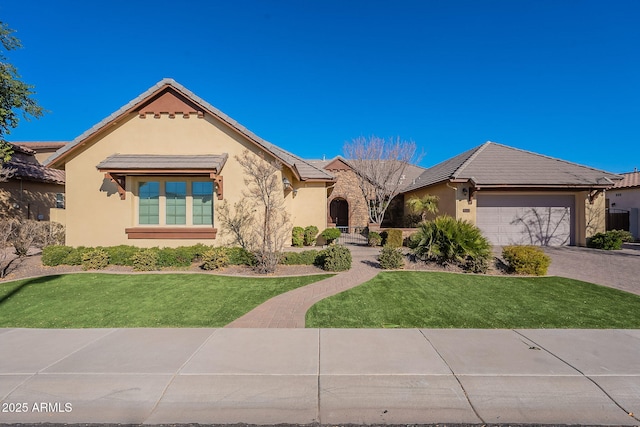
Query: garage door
x,y
526,220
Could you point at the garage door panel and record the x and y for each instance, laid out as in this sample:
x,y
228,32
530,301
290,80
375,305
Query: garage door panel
x,y
535,220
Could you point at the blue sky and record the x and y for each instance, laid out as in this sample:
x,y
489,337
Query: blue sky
x,y
561,78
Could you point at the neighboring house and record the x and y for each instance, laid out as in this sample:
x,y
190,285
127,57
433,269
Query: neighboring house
x,y
624,200
519,197
43,149
33,188
152,173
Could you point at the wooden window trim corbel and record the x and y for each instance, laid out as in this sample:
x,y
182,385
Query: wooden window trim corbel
x,y
120,181
217,180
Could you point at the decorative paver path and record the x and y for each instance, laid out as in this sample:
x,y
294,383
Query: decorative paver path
x,y
288,310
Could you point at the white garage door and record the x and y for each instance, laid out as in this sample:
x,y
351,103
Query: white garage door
x,y
526,220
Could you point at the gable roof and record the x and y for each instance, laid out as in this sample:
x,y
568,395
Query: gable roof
x,y
27,168
629,180
300,167
496,165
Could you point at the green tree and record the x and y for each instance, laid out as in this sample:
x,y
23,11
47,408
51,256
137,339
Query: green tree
x,y
425,205
16,97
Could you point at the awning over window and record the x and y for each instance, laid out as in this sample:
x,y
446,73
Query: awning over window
x,y
117,166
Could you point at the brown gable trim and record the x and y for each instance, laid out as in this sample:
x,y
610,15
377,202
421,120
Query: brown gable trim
x,y
170,102
337,164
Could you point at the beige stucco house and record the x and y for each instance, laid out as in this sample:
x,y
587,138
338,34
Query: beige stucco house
x,y
152,173
519,197
624,199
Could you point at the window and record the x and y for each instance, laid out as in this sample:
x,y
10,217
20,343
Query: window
x,y
59,200
202,193
149,193
176,203
167,202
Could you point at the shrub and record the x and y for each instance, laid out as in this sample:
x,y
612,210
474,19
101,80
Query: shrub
x,y
335,258
55,255
240,256
121,255
310,234
300,258
192,253
394,238
624,235
608,241
95,259
51,233
391,258
215,259
331,234
526,260
447,240
297,236
145,260
374,239
174,257
75,256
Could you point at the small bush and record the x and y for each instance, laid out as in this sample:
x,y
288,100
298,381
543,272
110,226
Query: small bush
x,y
331,234
624,235
529,260
608,241
374,239
240,256
191,254
55,255
215,259
121,255
145,260
300,258
310,234
297,236
75,256
391,258
394,238
174,257
335,258
95,259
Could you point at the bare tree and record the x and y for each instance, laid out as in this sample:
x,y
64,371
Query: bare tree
x,y
265,191
238,221
380,166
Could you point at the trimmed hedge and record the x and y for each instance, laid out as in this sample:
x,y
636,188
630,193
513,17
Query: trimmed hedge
x,y
95,259
310,234
391,258
394,238
145,260
297,236
529,260
331,234
374,239
300,258
335,258
609,241
215,259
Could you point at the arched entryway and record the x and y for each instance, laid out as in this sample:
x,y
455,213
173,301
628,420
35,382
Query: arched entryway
x,y
339,211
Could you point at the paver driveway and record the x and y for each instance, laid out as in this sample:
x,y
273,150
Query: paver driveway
x,y
615,269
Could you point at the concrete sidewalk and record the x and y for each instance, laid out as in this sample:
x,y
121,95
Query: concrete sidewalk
x,y
326,376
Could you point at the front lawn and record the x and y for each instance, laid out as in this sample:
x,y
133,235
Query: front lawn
x,y
445,300
92,300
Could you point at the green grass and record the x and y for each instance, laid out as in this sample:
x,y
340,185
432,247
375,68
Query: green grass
x,y
444,300
91,300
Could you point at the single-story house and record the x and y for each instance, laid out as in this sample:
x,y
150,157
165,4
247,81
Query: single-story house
x,y
624,200
33,189
519,197
152,173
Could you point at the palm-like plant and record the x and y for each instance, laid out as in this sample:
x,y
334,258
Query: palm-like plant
x,y
447,240
424,205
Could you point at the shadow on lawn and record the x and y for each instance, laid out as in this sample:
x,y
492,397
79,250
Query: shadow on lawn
x,y
26,283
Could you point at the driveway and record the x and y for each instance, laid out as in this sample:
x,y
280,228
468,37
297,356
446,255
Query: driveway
x,y
616,269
